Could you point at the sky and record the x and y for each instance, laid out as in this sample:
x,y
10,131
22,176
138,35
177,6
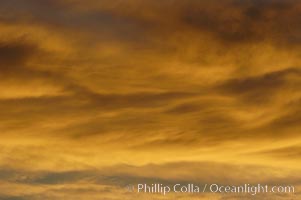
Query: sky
x,y
97,95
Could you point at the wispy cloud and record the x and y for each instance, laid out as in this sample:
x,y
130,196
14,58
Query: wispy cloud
x,y
99,94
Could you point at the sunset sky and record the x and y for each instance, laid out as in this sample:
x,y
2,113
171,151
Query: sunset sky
x,y
99,94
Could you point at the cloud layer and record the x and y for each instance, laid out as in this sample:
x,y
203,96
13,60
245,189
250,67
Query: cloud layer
x,y
96,95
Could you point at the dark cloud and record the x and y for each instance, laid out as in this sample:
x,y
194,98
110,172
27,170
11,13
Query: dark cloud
x,y
291,120
291,152
13,55
15,58
103,24
247,21
169,173
261,88
63,177
287,123
204,172
185,108
139,99
4,197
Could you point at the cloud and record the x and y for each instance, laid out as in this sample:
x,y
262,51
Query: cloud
x,y
68,16
290,152
264,87
170,173
99,94
12,198
17,75
14,55
112,179
290,119
251,21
